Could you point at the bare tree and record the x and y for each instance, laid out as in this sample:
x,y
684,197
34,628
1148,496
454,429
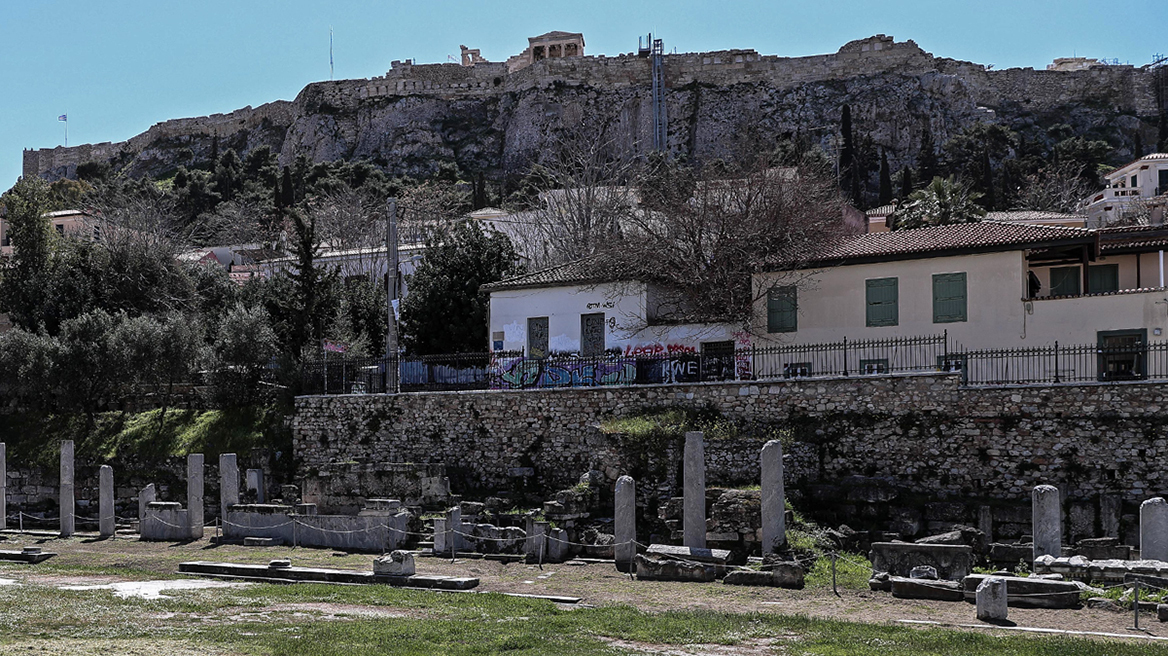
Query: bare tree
x,y
698,248
586,199
1055,188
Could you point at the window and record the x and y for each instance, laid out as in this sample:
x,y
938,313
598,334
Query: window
x,y
1102,278
592,334
1122,354
1064,281
60,229
874,366
882,302
1133,182
782,310
949,297
537,337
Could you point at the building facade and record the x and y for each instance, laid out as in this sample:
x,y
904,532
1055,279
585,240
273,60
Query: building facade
x,y
984,285
1135,192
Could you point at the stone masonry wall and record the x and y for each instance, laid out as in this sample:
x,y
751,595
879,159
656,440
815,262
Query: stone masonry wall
x,y
910,454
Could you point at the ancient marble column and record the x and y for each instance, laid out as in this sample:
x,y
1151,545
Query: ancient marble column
x,y
991,600
774,503
1046,521
3,487
146,497
66,492
625,523
1154,529
195,494
694,500
106,519
228,483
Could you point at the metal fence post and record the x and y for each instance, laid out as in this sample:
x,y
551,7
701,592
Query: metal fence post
x,y
845,355
1056,366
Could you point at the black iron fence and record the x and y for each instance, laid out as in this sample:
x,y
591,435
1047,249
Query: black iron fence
x,y
1125,361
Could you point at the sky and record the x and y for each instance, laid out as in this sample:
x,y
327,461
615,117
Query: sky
x,y
116,67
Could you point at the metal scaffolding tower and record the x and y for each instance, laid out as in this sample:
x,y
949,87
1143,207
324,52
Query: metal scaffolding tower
x,y
660,127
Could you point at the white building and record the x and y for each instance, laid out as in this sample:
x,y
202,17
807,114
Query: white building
x,y
576,310
1140,186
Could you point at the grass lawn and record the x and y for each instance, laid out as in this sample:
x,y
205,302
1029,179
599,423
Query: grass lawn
x,y
37,617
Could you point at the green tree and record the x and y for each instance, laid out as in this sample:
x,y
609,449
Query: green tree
x,y
445,311
244,348
885,180
944,201
906,183
22,278
927,164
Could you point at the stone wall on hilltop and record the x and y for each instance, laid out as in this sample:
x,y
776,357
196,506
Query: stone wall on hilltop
x,y
493,122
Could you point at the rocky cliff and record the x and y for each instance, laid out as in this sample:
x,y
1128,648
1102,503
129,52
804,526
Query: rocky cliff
x,y
492,122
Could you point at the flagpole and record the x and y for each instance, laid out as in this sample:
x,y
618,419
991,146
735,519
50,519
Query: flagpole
x,y
66,128
330,52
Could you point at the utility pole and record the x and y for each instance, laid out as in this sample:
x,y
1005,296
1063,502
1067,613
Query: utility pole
x,y
391,348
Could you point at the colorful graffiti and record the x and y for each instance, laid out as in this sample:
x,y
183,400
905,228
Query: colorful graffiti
x,y
525,373
659,349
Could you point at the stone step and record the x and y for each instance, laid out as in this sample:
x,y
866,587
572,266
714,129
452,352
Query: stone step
x,y
325,575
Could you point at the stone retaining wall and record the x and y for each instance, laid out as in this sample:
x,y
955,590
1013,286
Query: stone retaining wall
x,y
908,454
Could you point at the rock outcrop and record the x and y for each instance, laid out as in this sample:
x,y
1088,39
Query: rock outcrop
x,y
492,122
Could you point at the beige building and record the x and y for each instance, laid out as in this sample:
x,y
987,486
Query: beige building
x,y
986,285
70,223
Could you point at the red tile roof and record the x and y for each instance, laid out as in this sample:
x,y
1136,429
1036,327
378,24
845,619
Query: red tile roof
x,y
984,236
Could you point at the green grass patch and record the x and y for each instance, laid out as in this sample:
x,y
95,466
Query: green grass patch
x,y
671,422
272,619
34,438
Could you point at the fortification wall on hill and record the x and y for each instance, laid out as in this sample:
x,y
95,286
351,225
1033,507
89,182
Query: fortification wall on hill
x,y
867,67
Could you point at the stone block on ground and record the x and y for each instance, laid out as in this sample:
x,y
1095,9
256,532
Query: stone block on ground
x,y
1162,612
557,545
952,562
664,569
702,555
905,588
991,599
397,563
1029,592
749,577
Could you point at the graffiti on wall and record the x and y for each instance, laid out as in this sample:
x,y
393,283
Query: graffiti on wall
x,y
659,349
525,373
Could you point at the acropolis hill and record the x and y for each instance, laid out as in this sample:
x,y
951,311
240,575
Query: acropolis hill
x,y
493,118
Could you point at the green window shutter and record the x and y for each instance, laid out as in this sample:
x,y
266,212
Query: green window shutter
x,y
882,301
1103,278
949,300
782,310
1064,281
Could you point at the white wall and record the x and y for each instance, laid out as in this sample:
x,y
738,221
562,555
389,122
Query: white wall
x,y
623,305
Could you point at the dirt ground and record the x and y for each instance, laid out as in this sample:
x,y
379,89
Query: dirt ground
x,y
596,583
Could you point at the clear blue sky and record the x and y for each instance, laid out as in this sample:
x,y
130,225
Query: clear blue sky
x,y
120,66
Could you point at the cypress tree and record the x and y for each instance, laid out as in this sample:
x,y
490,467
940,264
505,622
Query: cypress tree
x,y
287,193
988,199
847,155
906,182
885,180
927,162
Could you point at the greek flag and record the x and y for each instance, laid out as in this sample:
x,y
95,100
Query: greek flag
x,y
63,117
